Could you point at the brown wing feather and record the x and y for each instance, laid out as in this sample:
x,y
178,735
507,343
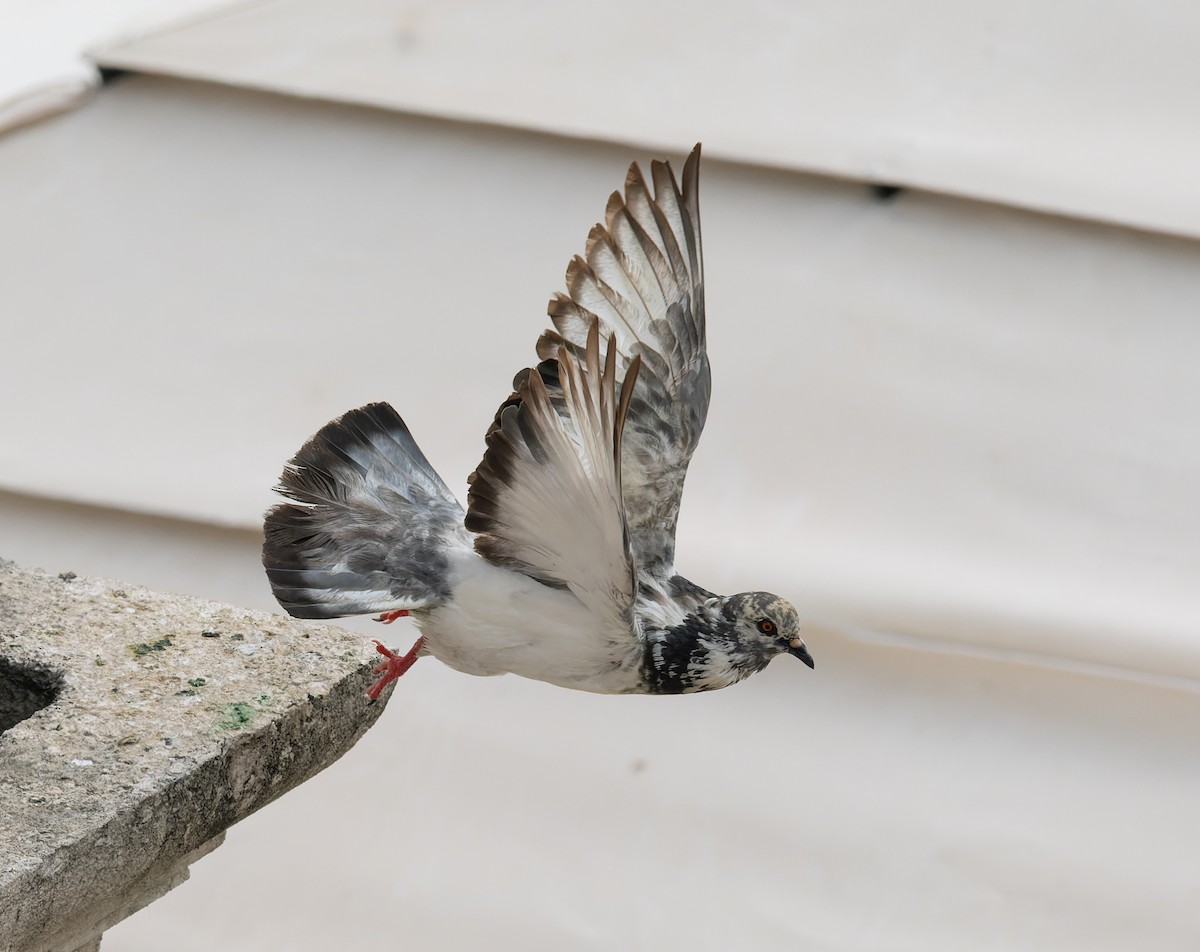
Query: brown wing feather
x,y
642,278
546,499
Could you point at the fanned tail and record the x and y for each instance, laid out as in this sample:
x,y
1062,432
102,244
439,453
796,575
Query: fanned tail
x,y
369,526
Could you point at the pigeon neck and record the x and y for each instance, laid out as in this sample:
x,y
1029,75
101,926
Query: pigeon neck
x,y
701,653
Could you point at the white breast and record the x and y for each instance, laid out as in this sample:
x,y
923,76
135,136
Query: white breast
x,y
502,622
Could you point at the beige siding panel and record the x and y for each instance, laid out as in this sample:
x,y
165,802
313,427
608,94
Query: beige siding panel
x,y
1082,108
43,69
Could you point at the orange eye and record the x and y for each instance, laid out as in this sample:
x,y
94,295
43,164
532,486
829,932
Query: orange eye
x,y
766,626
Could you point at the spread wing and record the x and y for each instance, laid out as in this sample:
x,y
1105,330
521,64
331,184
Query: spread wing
x,y
642,278
546,500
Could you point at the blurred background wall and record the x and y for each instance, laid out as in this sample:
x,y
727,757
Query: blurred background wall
x,y
952,270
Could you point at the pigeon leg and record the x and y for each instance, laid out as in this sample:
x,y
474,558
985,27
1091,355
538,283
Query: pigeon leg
x,y
394,666
388,617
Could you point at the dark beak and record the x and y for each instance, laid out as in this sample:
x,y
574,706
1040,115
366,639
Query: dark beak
x,y
801,652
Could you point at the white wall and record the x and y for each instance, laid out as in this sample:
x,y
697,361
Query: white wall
x,y
1071,107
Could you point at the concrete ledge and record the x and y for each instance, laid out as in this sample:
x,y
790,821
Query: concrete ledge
x,y
168,720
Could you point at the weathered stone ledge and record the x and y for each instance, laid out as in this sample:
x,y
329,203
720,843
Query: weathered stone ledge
x,y
168,720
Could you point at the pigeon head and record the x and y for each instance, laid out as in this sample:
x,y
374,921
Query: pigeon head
x,y
765,624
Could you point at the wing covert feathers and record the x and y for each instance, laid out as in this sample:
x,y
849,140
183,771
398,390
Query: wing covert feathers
x,y
546,499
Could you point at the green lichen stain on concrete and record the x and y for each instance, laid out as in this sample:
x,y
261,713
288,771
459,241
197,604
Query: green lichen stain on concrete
x,y
236,716
146,647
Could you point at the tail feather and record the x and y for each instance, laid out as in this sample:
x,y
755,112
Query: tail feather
x,y
369,525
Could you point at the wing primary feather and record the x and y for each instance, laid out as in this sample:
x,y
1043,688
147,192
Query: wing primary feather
x,y
637,292
691,202
660,267
631,375
634,256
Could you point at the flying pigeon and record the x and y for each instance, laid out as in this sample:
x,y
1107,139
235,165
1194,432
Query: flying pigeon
x,y
562,567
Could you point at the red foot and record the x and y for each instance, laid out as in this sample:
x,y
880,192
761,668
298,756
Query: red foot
x,y
388,617
394,666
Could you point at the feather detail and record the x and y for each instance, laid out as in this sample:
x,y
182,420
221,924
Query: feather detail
x,y
641,277
369,523
546,499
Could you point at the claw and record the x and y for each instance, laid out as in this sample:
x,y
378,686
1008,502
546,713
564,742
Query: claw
x,y
388,617
393,666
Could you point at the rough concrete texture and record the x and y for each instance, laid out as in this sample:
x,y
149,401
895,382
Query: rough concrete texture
x,y
170,718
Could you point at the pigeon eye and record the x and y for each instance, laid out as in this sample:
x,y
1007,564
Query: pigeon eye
x,y
766,626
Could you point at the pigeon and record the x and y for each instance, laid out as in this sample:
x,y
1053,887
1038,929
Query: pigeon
x,y
562,567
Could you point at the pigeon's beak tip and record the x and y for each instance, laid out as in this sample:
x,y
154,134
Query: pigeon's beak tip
x,y
799,650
